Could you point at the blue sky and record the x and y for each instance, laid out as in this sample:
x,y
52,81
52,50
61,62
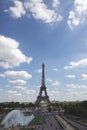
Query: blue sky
x,y
52,32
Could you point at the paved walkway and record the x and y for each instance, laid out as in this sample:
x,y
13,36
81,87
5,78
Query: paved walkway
x,y
50,124
65,124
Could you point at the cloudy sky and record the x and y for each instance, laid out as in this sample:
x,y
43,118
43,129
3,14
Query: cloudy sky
x,y
52,32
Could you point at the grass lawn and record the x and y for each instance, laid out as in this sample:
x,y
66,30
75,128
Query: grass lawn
x,y
0,120
38,120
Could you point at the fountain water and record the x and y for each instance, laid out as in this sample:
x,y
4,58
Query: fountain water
x,y
16,117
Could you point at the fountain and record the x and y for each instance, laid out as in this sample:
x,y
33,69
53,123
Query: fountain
x,y
16,117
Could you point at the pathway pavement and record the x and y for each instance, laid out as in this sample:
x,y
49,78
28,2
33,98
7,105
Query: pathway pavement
x,y
65,124
50,124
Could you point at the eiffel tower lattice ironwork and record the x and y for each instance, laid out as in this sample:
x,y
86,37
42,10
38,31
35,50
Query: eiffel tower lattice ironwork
x,y
44,98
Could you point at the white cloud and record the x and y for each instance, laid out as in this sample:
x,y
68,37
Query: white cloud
x,y
18,94
78,14
1,89
17,82
49,80
37,8
11,56
55,83
16,11
80,63
55,3
71,94
54,94
38,70
38,86
83,76
17,78
40,11
12,92
75,86
70,76
16,75
74,95
30,91
20,87
1,75
55,69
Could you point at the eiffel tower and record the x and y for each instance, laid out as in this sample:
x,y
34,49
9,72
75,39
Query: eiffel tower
x,y
44,98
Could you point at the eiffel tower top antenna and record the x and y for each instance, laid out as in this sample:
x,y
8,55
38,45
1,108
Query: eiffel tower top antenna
x,y
43,76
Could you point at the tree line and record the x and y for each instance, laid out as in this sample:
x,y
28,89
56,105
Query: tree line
x,y
6,107
77,108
